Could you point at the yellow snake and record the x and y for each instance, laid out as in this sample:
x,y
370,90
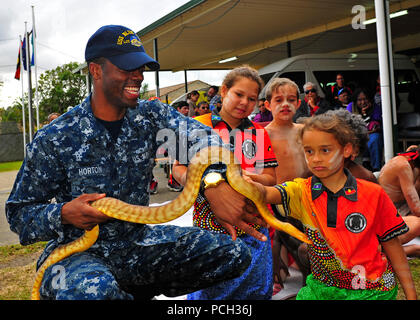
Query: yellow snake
x,y
153,215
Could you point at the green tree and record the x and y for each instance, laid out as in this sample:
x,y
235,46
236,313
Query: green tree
x,y
59,89
143,91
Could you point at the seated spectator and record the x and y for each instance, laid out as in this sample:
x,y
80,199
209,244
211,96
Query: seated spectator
x,y
53,116
192,98
216,103
332,96
207,96
372,115
203,108
312,104
182,107
400,178
264,115
344,96
212,92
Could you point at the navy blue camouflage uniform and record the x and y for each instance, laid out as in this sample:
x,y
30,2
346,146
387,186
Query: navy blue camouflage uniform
x,y
75,154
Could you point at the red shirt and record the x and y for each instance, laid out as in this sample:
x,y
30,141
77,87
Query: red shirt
x,y
252,146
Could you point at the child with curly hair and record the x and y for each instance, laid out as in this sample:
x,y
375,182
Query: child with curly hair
x,y
349,221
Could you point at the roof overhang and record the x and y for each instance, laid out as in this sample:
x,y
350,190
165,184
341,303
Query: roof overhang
x,y
202,32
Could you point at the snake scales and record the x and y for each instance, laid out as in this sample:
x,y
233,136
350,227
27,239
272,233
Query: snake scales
x,y
153,215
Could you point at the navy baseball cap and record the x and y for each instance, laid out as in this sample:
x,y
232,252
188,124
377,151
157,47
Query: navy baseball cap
x,y
121,46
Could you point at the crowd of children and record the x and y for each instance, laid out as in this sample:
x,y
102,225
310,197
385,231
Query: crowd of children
x,y
310,178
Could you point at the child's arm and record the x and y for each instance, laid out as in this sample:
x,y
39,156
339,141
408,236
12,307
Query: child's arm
x,y
267,177
398,259
271,194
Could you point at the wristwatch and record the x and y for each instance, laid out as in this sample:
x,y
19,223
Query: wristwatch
x,y
212,179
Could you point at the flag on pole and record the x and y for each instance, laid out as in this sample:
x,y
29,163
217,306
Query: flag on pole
x,y
24,53
17,73
31,59
32,43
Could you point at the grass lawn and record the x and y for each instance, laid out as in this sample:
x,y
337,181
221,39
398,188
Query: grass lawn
x,y
9,166
17,271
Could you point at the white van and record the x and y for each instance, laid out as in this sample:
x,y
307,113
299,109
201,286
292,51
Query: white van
x,y
358,70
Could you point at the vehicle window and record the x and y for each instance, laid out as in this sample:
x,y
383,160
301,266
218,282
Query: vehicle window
x,y
266,77
353,79
405,80
298,77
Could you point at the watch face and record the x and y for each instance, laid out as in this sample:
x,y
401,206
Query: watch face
x,y
213,177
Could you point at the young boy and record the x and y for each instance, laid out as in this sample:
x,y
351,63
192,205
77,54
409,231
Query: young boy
x,y
282,99
203,108
182,107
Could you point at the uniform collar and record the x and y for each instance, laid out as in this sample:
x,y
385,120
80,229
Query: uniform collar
x,y
216,119
349,191
92,129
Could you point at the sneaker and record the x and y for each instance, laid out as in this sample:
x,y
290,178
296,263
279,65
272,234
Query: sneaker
x,y
173,185
153,186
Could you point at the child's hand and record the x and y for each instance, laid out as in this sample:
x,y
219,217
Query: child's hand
x,y
248,175
260,187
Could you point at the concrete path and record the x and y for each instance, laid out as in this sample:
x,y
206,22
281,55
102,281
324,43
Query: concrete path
x,y
8,178
6,183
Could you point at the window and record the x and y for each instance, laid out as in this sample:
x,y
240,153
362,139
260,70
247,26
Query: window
x,y
353,79
298,77
406,80
266,77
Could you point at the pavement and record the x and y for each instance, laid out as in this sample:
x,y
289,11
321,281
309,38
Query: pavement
x,y
6,183
7,179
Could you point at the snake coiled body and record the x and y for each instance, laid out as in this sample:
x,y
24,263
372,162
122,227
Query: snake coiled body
x,y
154,215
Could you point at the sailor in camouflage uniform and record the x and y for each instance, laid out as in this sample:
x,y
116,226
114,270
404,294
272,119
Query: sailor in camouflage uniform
x,y
106,146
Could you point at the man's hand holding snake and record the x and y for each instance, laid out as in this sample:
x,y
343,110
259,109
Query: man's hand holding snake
x,y
233,209
81,214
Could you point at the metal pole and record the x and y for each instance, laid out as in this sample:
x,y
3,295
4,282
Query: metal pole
x,y
36,68
391,65
185,81
23,100
28,68
289,49
155,50
385,72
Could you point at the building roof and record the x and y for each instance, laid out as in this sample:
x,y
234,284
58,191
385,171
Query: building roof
x,y
202,32
168,90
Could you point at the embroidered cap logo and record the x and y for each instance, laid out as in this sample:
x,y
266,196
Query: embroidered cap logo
x,y
129,37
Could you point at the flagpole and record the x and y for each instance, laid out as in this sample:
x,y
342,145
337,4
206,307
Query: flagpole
x,y
36,68
23,100
28,68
